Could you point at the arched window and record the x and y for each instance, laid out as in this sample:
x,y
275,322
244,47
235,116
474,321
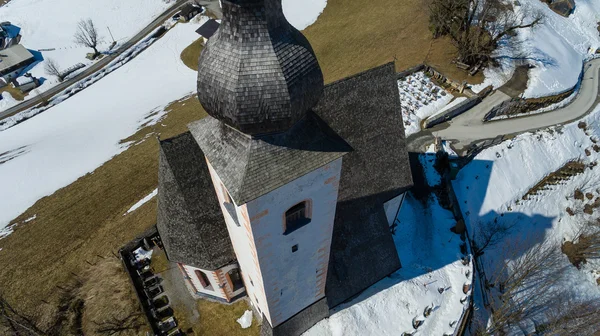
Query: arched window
x,y
203,280
297,216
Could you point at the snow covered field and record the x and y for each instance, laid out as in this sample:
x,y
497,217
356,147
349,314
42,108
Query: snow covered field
x,y
420,98
50,24
53,149
80,134
491,189
431,263
556,48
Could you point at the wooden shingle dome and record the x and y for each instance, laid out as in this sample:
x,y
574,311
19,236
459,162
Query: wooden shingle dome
x,y
258,74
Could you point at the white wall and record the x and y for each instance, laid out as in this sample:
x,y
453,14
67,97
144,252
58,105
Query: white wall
x,y
220,286
284,283
212,277
391,208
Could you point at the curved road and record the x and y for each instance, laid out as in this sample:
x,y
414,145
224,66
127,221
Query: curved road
x,y
96,66
469,128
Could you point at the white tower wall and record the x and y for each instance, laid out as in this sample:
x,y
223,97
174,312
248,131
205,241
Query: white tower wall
x,y
280,282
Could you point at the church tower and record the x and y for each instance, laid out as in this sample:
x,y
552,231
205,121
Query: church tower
x,y
274,163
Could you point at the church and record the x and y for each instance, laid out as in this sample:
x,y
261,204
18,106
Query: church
x,y
286,192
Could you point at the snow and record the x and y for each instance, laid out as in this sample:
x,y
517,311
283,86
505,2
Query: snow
x,y
431,262
303,13
246,320
557,48
419,99
80,134
490,190
48,24
7,101
24,80
141,254
142,201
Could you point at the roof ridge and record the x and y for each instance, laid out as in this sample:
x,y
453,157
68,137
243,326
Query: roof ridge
x,y
359,74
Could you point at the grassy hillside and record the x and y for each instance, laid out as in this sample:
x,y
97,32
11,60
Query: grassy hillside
x,y
352,36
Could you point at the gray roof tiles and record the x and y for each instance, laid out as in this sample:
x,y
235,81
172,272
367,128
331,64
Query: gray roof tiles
x,y
250,167
189,219
365,111
257,73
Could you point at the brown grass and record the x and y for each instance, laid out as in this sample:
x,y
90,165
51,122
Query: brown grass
x,y
587,246
560,176
108,297
159,261
218,319
191,53
17,94
84,220
353,36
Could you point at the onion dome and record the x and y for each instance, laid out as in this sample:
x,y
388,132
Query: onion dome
x,y
258,74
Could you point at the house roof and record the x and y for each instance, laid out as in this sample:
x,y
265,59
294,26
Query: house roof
x,y
250,167
365,111
189,219
14,55
208,29
189,8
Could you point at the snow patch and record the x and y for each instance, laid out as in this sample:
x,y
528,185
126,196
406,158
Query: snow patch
x,y
141,254
142,201
246,320
303,13
556,48
491,190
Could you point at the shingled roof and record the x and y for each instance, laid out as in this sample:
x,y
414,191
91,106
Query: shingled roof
x,y
365,111
208,29
189,219
250,167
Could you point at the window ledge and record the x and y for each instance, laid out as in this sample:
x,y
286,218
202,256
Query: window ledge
x,y
230,207
296,225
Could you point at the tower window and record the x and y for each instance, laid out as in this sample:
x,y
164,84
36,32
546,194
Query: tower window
x,y
235,279
297,216
229,205
295,248
203,280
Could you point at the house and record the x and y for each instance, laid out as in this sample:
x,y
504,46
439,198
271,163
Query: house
x,y
9,35
208,29
26,83
189,11
286,192
13,60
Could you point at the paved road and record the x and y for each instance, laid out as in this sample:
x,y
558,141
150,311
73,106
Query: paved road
x,y
469,127
96,66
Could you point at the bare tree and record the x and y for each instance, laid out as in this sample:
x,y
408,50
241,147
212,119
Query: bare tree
x,y
585,246
476,26
489,235
17,322
51,68
87,35
117,325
